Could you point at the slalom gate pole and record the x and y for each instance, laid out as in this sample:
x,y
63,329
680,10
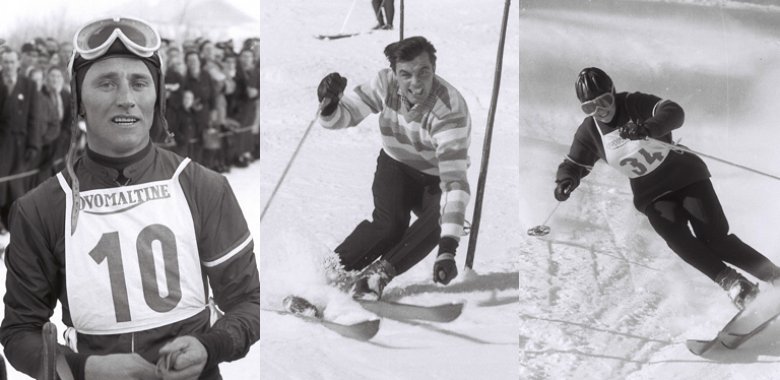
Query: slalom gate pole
x,y
685,149
486,145
325,101
401,27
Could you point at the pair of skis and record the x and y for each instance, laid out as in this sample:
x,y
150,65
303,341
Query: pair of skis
x,y
746,324
366,330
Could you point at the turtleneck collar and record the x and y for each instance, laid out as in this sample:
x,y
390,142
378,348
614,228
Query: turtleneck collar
x,y
118,163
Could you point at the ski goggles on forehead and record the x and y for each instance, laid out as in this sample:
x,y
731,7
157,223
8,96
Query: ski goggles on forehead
x,y
94,39
602,101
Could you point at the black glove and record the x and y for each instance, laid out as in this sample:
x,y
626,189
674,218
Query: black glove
x,y
564,188
332,86
445,269
634,131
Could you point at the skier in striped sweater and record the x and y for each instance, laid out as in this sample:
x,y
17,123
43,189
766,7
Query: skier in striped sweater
x,y
422,166
671,188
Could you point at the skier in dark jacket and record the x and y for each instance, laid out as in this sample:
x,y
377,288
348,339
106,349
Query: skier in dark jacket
x,y
131,238
672,188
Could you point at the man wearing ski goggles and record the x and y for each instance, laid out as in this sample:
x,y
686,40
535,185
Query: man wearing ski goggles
x,y
632,133
97,236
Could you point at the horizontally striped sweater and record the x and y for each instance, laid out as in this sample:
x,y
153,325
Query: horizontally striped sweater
x,y
432,137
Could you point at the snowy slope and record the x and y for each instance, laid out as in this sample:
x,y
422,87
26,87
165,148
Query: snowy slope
x,y
327,193
608,299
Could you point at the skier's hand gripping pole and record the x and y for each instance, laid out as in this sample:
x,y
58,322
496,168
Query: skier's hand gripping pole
x,y
445,269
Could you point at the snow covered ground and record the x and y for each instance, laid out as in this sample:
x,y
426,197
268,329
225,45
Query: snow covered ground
x,y
602,297
328,192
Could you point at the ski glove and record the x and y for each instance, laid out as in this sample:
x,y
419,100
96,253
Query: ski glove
x,y
564,188
445,269
332,87
634,131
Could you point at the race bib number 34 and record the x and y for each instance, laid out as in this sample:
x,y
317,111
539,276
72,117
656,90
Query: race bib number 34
x,y
633,158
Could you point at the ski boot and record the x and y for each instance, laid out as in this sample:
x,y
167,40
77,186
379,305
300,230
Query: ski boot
x,y
372,281
336,275
300,306
740,290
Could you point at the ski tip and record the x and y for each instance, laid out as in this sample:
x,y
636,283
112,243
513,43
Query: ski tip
x,y
698,347
454,311
363,331
369,323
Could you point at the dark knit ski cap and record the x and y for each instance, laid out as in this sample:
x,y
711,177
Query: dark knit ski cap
x,y
592,82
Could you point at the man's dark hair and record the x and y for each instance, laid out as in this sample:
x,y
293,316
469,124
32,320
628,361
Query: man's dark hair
x,y
408,49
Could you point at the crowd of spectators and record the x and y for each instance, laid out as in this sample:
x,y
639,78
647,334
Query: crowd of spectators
x,y
212,108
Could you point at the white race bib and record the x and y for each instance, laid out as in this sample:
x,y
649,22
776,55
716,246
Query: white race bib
x,y
132,264
633,158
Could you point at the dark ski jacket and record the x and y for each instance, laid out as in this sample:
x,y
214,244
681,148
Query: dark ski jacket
x,y
35,261
660,117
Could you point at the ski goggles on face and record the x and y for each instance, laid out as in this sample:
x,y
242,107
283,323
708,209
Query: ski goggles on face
x,y
94,39
602,101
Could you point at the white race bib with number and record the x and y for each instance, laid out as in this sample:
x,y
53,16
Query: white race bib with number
x,y
132,263
633,158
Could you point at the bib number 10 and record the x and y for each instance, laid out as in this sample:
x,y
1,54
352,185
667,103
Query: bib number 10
x,y
639,168
108,249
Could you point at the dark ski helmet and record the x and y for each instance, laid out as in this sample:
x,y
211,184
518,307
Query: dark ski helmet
x,y
591,83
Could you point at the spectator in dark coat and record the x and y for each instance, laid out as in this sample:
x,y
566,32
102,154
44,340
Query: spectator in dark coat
x,y
247,103
200,83
18,138
181,122
53,117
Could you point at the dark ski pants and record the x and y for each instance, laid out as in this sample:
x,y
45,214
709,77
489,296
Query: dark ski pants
x,y
710,245
398,191
389,7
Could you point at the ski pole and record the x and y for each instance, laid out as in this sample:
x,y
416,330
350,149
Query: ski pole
x,y
349,13
486,145
686,149
325,102
543,229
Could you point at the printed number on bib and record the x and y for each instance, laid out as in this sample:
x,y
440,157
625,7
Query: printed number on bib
x,y
638,167
108,249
